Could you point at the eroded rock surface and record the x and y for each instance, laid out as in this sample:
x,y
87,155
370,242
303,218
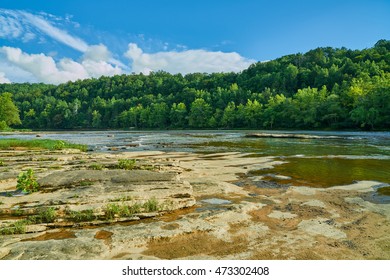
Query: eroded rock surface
x,y
236,216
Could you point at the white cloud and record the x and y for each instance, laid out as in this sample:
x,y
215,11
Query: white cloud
x,y
9,25
99,53
24,25
54,32
188,61
95,60
3,79
46,69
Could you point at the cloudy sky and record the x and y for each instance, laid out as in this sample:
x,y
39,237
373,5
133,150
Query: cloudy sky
x,y
57,41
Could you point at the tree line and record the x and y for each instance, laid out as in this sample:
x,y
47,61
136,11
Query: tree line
x,y
334,88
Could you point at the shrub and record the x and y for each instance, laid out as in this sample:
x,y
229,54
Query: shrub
x,y
4,126
59,145
16,228
83,215
151,205
27,182
127,164
96,166
44,215
111,210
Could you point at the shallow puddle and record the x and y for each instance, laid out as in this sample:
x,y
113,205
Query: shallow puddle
x,y
327,172
216,201
213,204
63,234
380,195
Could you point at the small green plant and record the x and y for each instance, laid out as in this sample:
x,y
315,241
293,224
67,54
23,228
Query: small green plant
x,y
16,228
122,198
96,166
85,183
2,162
27,182
111,210
151,205
17,212
82,216
127,164
44,215
59,145
135,208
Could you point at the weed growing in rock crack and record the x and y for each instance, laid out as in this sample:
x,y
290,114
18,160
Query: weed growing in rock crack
x,y
17,212
151,205
122,198
113,210
127,164
15,228
27,182
2,163
96,166
85,183
82,216
44,215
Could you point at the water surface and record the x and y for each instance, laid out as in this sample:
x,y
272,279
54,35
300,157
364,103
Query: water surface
x,y
353,156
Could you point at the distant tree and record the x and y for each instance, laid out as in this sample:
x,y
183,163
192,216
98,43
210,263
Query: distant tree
x,y
178,115
200,113
229,116
9,113
96,119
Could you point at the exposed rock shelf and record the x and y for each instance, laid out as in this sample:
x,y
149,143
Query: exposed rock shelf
x,y
235,216
291,135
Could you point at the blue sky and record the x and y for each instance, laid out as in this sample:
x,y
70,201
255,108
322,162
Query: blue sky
x,y
56,41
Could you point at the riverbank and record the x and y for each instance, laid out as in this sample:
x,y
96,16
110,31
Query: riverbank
x,y
206,206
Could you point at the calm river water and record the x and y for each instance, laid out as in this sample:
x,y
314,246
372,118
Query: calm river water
x,y
353,156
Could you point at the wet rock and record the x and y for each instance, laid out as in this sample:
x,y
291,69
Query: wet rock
x,y
65,179
290,135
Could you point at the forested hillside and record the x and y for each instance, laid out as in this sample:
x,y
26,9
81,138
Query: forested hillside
x,y
323,88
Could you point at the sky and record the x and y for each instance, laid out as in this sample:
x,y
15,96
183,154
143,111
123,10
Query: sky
x,y
58,41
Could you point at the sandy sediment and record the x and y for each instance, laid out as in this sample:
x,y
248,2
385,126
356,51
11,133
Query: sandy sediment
x,y
212,209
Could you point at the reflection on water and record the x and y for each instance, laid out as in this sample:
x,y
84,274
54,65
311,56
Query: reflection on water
x,y
315,162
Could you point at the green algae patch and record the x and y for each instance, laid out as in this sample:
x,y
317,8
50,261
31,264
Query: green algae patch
x,y
384,191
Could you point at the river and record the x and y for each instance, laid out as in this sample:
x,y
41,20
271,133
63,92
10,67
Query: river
x,y
319,162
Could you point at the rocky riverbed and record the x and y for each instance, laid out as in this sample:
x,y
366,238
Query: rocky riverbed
x,y
177,205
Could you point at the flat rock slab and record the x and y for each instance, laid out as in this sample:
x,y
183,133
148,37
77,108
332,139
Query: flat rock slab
x,y
75,194
75,177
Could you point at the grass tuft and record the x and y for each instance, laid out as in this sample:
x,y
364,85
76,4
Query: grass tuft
x,y
47,144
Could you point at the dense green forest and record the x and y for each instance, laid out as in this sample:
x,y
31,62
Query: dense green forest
x,y
323,88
